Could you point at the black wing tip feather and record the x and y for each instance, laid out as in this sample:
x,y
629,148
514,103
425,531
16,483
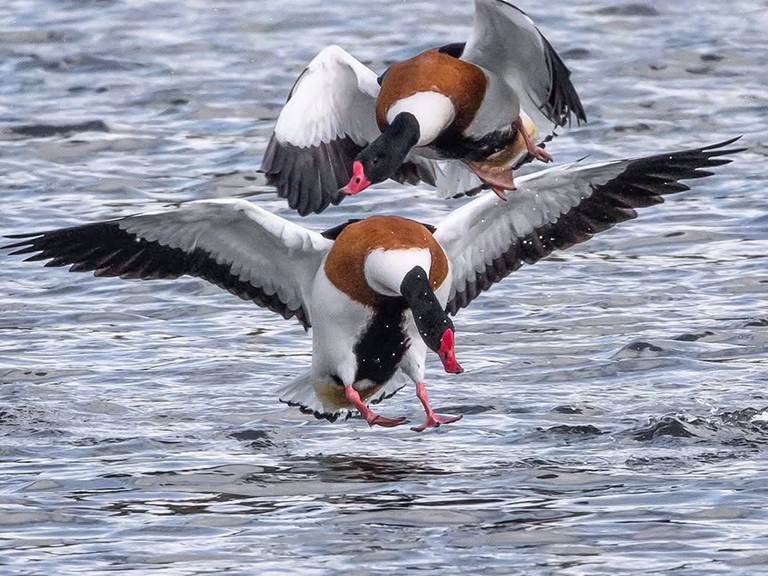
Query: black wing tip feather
x,y
23,235
689,164
309,177
644,182
721,149
711,150
564,102
106,249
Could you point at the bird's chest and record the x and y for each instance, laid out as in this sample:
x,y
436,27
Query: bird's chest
x,y
382,343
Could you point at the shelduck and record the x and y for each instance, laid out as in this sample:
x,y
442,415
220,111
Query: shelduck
x,y
378,293
460,117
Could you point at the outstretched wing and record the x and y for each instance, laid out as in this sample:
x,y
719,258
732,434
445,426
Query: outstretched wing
x,y
329,117
487,238
506,41
234,244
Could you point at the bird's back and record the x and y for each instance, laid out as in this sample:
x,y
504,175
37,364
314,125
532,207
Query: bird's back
x,y
434,71
345,265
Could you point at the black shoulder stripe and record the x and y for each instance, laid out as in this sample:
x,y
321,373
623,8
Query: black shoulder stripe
x,y
333,233
455,49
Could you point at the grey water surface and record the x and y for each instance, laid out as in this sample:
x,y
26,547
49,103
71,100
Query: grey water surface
x,y
616,395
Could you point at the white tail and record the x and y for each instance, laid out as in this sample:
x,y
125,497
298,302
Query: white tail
x,y
300,393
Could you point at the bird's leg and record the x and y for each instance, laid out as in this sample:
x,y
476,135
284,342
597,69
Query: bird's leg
x,y
370,416
433,420
536,151
499,180
496,171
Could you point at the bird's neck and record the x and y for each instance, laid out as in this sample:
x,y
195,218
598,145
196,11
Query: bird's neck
x,y
391,148
402,134
431,318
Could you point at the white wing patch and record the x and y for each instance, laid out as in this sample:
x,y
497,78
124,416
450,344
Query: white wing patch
x,y
506,42
334,97
266,251
329,118
483,230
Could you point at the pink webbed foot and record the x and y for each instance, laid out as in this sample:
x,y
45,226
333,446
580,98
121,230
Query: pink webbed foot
x,y
433,420
376,420
499,180
370,416
540,154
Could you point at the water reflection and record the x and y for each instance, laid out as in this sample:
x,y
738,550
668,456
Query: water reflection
x,y
614,399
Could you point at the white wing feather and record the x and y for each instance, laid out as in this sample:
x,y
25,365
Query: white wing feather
x,y
234,244
487,238
263,249
482,230
334,97
506,41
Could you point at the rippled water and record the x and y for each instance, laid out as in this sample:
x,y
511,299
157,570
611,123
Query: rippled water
x,y
615,395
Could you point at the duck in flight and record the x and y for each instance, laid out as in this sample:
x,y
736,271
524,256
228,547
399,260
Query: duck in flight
x,y
459,117
378,293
